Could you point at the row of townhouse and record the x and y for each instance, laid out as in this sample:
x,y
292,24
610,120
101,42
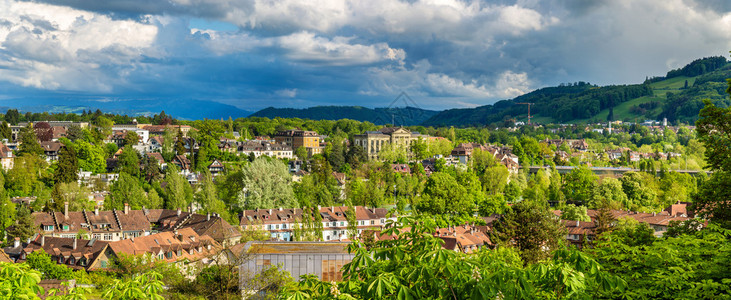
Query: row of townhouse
x,y
281,223
115,225
184,245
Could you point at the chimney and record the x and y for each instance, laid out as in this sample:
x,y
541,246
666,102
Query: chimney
x,y
332,208
75,243
577,223
66,210
208,217
280,208
96,210
43,240
653,214
126,208
270,211
178,212
319,208
16,242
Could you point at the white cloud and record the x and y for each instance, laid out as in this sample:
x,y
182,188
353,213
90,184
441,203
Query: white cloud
x,y
338,51
55,47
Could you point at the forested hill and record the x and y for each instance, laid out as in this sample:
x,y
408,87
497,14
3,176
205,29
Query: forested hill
x,y
564,103
677,96
406,116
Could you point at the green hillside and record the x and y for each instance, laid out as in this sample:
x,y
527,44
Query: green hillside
x,y
677,96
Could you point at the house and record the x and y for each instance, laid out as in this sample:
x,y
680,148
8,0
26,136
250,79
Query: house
x,y
114,225
579,232
159,159
182,162
154,144
296,138
401,168
210,225
260,147
110,225
75,253
170,246
215,167
7,159
51,149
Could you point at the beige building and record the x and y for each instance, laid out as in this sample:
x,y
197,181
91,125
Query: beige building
x,y
300,138
373,141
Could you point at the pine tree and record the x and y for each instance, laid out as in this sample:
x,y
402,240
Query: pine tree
x,y
68,165
25,227
180,143
604,219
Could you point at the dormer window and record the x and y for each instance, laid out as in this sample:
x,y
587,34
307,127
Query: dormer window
x,y
60,259
72,261
65,227
47,227
180,252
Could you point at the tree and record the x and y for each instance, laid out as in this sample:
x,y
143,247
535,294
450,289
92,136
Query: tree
x,y
201,159
266,185
145,286
29,142
610,190
443,194
356,156
177,192
25,227
640,188
43,130
41,261
7,211
74,132
575,213
12,116
301,153
579,186
126,189
180,143
91,158
414,265
714,198
604,219
131,138
150,168
68,165
19,281
208,199
129,162
532,228
5,132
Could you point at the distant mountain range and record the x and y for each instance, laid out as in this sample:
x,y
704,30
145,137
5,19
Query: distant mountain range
x,y
183,108
406,116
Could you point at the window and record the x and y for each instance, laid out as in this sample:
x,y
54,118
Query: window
x,y
82,261
65,227
169,254
72,261
104,263
159,256
373,222
48,227
60,259
107,236
180,252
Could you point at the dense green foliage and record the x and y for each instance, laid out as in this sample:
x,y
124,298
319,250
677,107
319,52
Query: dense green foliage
x,y
406,116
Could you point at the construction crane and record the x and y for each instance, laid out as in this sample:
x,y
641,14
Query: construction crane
x,y
529,104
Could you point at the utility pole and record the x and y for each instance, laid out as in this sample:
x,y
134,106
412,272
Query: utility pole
x,y
529,104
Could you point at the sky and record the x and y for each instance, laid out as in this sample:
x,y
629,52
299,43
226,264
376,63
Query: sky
x,y
294,53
